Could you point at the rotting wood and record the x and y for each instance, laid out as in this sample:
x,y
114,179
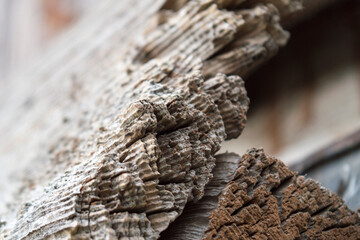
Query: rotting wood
x,y
267,200
177,121
264,200
237,42
133,149
152,153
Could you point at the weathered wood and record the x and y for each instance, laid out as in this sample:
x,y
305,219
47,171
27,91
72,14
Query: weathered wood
x,y
149,153
194,221
123,128
264,200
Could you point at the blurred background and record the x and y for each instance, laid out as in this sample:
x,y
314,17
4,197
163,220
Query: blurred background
x,y
27,28
305,102
308,96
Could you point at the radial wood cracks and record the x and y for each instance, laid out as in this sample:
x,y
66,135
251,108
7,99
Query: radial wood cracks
x,y
263,199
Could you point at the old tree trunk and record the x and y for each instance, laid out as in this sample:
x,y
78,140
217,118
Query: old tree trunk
x,y
115,135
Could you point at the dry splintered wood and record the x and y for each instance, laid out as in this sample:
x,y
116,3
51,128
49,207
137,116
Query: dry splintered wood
x,y
152,153
132,150
240,40
143,145
262,199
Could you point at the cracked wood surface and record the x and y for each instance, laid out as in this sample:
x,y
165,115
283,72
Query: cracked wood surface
x,y
264,200
267,200
122,130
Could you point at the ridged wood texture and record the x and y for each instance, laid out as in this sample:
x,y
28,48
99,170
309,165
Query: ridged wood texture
x,y
138,129
151,151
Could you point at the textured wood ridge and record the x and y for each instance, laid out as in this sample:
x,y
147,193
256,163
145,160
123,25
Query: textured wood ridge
x,y
153,153
145,153
230,42
140,145
266,200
